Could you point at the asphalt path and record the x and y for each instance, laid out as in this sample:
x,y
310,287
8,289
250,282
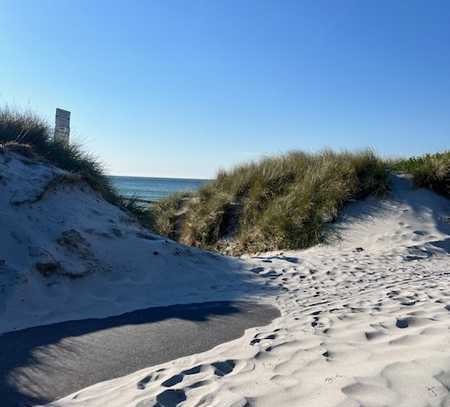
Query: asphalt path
x,y
42,364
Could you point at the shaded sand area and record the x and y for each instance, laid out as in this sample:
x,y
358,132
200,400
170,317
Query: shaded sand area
x,y
41,364
365,322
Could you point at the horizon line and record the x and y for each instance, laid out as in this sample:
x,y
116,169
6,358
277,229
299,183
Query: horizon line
x,y
160,177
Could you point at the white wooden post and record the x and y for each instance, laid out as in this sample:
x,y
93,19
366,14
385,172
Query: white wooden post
x,y
62,126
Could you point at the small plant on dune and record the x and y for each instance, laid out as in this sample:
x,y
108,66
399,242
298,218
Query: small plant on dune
x,y
278,203
28,132
428,171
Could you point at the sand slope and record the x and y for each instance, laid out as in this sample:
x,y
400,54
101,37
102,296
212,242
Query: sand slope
x,y
365,322
65,253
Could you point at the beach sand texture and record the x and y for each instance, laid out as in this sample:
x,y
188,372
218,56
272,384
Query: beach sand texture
x,y
365,322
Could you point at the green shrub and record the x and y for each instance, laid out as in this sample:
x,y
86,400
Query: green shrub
x,y
428,171
277,203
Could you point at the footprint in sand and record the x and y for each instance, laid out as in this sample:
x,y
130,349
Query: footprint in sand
x,y
223,368
257,339
178,378
170,398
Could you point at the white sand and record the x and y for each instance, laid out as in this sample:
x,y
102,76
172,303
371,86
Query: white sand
x,y
108,264
358,328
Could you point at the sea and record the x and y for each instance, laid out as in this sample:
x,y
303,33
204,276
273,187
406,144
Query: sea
x,y
153,189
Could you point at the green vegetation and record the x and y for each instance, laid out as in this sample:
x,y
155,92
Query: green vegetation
x,y
277,203
283,202
18,128
428,171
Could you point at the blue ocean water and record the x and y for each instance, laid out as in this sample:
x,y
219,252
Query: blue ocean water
x,y
153,189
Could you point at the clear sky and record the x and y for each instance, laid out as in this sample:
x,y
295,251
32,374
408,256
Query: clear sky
x,y
182,88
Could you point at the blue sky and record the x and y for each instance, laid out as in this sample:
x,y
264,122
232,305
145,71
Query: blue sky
x,y
182,88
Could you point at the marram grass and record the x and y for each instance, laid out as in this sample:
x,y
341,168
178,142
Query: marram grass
x,y
429,171
277,203
24,128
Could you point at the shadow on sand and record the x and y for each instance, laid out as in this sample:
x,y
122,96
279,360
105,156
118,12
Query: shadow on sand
x,y
41,364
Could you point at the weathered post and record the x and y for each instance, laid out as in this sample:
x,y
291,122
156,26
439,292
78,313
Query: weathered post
x,y
62,126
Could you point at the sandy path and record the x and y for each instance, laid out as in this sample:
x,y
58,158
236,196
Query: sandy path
x,y
365,322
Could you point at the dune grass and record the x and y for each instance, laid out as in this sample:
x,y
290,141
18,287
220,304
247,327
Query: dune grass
x,y
166,215
27,129
429,171
277,203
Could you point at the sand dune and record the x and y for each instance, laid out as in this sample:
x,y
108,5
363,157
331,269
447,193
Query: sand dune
x,y
66,253
365,322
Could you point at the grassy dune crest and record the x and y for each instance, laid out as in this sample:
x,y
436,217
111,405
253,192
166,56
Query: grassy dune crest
x,y
277,203
25,131
428,171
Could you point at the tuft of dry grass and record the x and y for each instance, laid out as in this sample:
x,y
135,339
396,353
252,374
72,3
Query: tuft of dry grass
x,y
166,216
277,203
